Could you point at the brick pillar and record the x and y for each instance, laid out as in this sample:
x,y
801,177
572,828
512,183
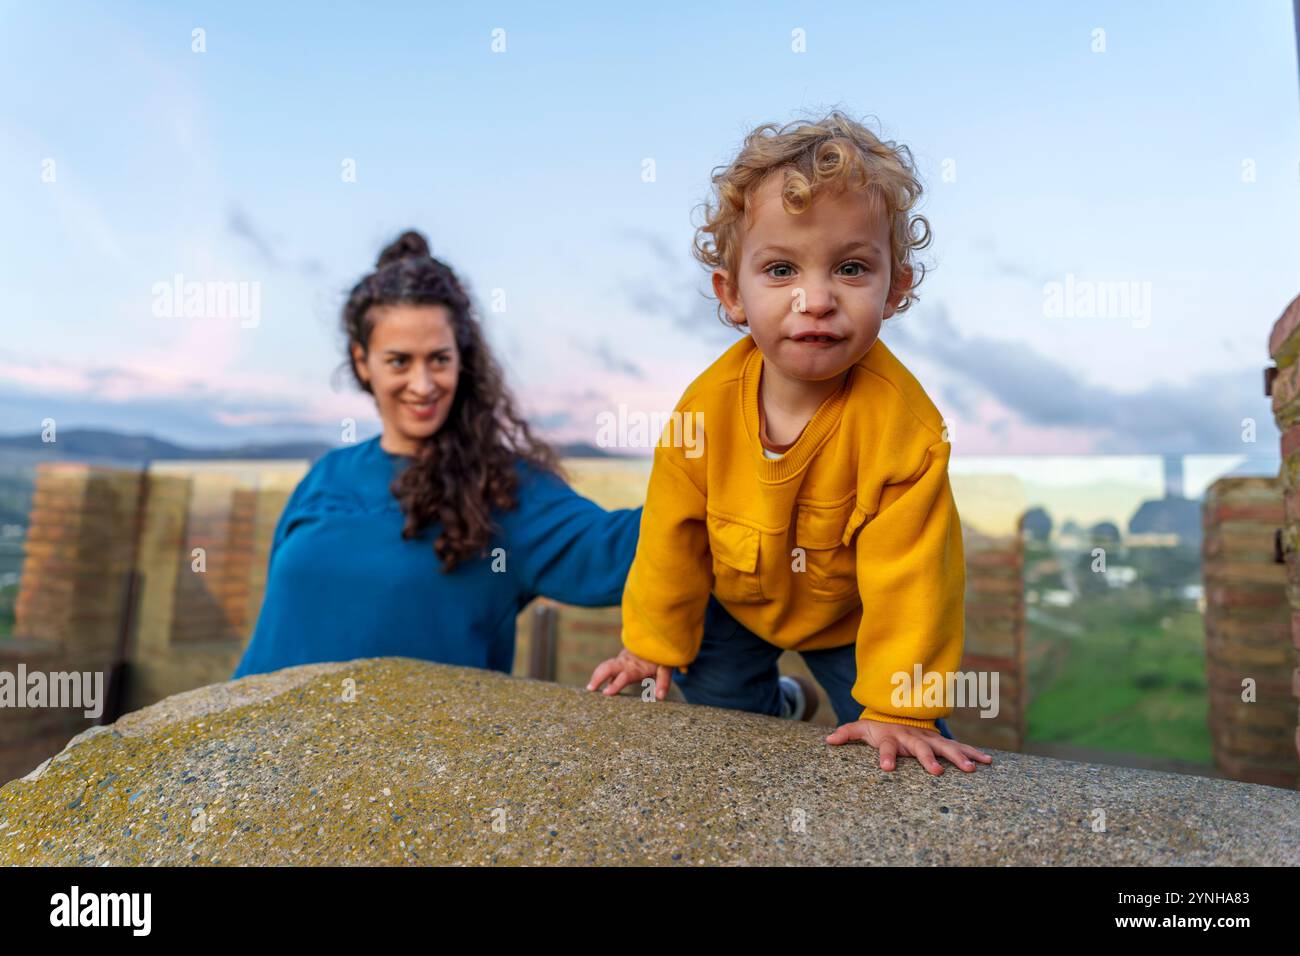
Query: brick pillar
x,y
27,735
79,550
71,599
162,544
1248,632
194,625
587,636
212,603
190,628
1283,383
995,638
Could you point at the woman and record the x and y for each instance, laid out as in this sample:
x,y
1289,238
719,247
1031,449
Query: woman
x,y
429,539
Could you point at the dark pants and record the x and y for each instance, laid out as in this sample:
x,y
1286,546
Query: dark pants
x,y
737,669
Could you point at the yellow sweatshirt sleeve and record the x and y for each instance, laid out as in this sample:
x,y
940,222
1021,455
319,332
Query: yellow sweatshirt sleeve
x,y
912,579
668,586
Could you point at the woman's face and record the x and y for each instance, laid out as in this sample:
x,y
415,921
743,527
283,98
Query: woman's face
x,y
412,366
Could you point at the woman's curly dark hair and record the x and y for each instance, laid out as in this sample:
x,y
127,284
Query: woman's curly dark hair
x,y
467,467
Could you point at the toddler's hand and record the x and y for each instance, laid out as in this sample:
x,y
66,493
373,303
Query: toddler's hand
x,y
627,668
893,739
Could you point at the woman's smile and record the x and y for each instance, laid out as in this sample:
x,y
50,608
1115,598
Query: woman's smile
x,y
423,410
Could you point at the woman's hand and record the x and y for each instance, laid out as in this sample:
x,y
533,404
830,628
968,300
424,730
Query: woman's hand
x,y
626,669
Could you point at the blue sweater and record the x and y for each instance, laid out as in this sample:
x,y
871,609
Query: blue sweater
x,y
343,584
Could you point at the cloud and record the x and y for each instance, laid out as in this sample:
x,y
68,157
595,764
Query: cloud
x,y
554,421
956,394
241,226
610,361
1008,268
172,406
678,293
1201,416
83,217
187,420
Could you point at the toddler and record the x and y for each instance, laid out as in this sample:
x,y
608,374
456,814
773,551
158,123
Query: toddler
x,y
819,516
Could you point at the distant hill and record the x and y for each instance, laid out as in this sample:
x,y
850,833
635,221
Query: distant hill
x,y
102,445
1170,514
583,450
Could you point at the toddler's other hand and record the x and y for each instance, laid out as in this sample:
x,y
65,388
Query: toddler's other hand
x,y
627,668
893,739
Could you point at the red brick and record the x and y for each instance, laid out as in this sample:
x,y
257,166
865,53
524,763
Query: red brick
x,y
1284,327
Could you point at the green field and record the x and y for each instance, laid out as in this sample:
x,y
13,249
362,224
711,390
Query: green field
x,y
7,597
1122,669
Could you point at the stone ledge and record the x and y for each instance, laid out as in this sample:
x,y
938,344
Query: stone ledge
x,y
279,769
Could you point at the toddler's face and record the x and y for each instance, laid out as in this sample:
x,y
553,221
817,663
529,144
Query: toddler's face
x,y
832,260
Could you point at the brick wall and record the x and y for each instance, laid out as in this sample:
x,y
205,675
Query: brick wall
x,y
1248,633
197,612
72,596
89,526
30,735
1284,347
79,550
995,638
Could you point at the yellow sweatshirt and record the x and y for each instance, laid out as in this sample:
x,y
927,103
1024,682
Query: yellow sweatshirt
x,y
851,536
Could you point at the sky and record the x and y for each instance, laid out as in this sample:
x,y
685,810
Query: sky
x,y
1062,146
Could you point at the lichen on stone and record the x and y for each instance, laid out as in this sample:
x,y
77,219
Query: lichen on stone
x,y
430,764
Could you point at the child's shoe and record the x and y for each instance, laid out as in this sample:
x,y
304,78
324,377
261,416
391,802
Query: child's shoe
x,y
798,698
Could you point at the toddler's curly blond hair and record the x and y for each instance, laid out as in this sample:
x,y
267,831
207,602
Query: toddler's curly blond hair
x,y
835,152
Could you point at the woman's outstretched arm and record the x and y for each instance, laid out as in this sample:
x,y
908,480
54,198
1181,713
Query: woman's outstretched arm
x,y
567,547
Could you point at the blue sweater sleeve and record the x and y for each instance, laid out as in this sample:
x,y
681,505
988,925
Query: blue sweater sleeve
x,y
566,547
300,493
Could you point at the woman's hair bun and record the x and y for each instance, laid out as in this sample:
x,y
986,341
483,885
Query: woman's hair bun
x,y
409,244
